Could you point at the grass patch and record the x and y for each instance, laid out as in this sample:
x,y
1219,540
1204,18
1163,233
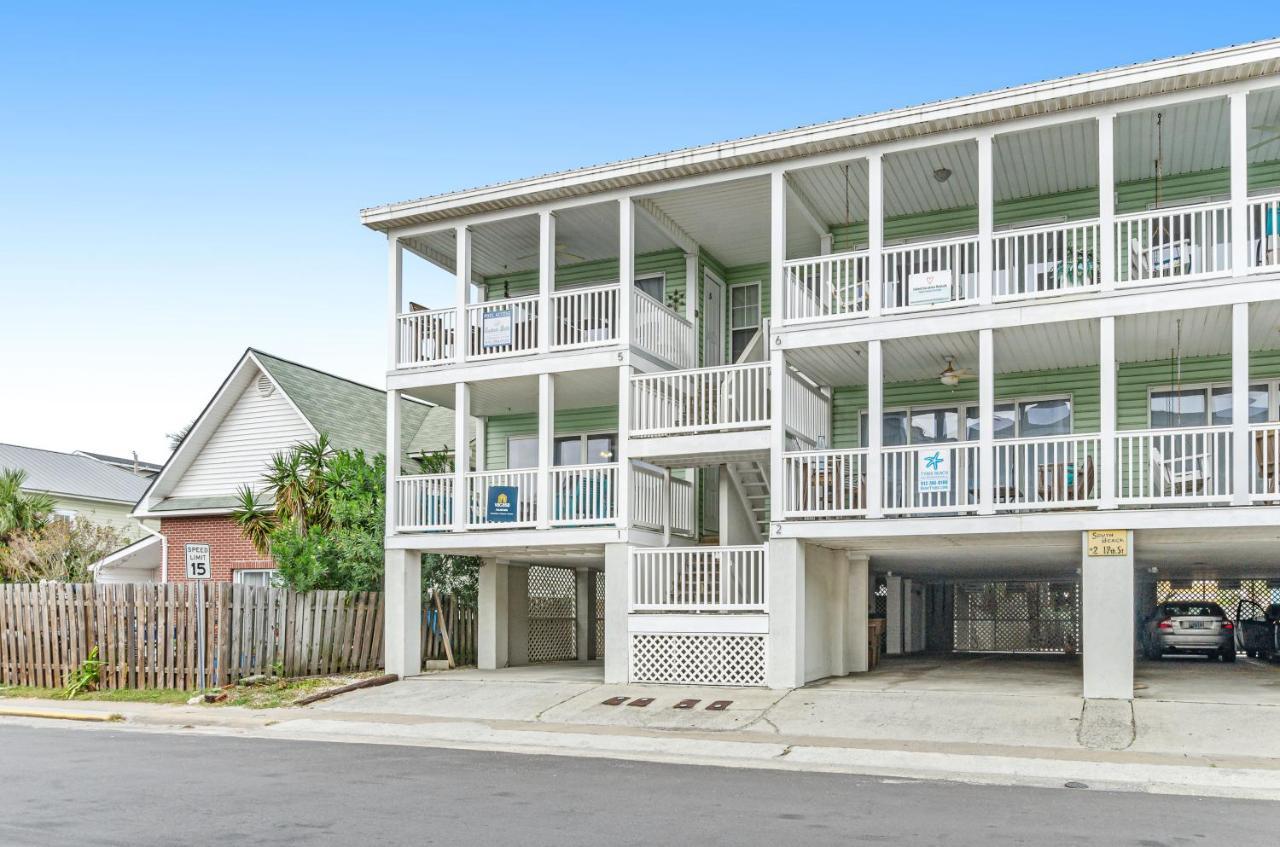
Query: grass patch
x,y
286,692
111,695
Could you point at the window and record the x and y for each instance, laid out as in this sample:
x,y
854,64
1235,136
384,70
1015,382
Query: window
x,y
1203,405
744,316
655,286
1013,419
522,451
568,450
258,578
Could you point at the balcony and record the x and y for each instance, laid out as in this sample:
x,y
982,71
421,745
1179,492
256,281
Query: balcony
x,y
701,400
580,496
580,319
698,580
1164,467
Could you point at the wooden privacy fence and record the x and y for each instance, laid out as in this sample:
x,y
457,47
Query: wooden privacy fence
x,y
149,636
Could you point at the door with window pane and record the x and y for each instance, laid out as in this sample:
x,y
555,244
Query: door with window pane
x,y
744,317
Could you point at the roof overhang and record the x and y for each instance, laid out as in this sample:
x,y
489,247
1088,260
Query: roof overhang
x,y
1165,76
143,554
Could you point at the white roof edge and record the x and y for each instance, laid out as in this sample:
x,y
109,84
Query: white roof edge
x,y
388,216
125,552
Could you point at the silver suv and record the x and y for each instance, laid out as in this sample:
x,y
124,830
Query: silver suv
x,y
1189,627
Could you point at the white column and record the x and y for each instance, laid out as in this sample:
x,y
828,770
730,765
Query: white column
x,y
875,428
491,616
859,613
1107,624
1107,201
777,237
517,615
461,455
395,296
1239,141
617,645
893,625
393,468
546,444
777,431
1107,457
691,289
986,216
837,609
987,421
626,267
402,616
546,276
1241,468
623,493
666,507
825,244
462,265
482,434
785,579
585,613
875,233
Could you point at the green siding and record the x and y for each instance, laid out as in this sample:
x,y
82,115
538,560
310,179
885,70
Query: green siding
x,y
1081,384
669,262
568,421
1133,380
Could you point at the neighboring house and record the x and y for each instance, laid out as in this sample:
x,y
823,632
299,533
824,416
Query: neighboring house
x,y
265,406
82,487
1002,369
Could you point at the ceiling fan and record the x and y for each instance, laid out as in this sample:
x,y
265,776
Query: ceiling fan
x,y
951,375
562,251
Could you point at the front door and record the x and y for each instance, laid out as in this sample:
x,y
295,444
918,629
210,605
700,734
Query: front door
x,y
712,320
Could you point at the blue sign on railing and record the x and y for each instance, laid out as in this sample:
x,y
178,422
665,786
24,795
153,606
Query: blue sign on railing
x,y
503,504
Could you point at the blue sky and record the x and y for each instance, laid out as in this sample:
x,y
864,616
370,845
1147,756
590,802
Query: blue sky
x,y
179,182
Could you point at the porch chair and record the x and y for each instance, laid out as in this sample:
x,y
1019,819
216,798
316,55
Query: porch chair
x,y
1177,476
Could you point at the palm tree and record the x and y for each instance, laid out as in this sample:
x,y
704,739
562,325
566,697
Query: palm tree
x,y
21,511
298,480
256,522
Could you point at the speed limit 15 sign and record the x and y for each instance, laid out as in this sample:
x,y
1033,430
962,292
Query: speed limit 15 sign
x,y
198,566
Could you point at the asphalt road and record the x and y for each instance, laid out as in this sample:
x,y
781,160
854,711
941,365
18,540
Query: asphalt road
x,y
81,787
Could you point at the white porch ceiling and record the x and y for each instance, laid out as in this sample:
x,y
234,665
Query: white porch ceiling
x,y
519,395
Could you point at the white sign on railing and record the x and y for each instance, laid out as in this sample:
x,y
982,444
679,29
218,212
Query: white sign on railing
x,y
933,472
924,289
496,328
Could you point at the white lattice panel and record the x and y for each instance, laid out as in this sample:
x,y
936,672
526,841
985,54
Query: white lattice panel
x,y
599,614
553,597
697,659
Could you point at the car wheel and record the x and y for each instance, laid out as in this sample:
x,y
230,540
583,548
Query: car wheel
x,y
1228,655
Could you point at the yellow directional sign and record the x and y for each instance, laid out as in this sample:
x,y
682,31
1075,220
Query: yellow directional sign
x,y
1107,542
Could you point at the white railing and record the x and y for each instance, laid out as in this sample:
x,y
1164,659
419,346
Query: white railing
x,y
699,579
824,483
1264,232
930,478
684,504
1046,260
806,410
524,511
424,502
584,494
1054,472
1174,465
502,327
661,332
953,262
826,286
426,338
1173,243
655,504
584,317
701,400
1264,462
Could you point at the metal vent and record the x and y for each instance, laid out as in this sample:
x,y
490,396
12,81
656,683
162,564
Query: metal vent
x,y
265,386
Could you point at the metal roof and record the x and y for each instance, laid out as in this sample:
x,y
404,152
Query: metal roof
x,y
1179,73
72,476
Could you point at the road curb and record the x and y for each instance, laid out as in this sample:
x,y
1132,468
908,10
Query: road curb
x,y
54,715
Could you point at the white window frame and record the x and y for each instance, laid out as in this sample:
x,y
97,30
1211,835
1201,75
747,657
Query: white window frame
x,y
523,437
273,576
964,407
1273,396
759,324
584,439
658,275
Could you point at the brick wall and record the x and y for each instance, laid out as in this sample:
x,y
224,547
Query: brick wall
x,y
228,550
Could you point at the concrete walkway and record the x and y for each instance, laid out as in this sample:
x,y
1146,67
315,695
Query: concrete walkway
x,y
991,719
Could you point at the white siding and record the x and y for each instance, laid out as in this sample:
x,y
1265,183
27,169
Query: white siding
x,y
107,514
238,451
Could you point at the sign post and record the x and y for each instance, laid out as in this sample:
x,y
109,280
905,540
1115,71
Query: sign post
x,y
198,571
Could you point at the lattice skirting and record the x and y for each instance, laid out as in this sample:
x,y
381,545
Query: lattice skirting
x,y
698,659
